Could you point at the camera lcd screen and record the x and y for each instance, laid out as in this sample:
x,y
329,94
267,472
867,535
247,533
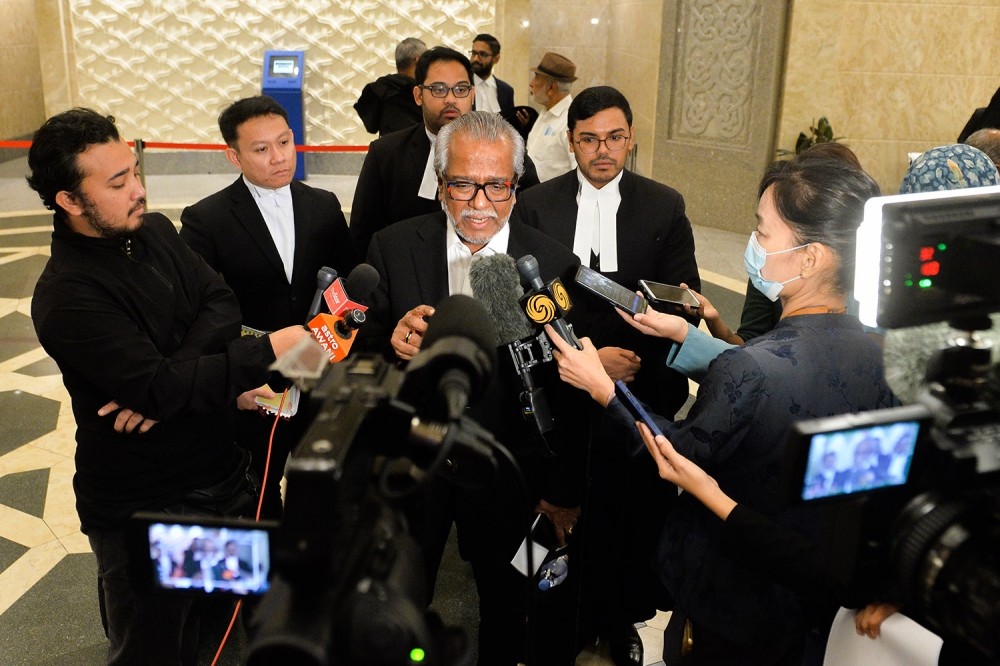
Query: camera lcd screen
x,y
205,559
284,66
846,462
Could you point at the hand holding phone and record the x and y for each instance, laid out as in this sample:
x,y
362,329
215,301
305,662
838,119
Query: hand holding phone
x,y
611,291
635,409
668,293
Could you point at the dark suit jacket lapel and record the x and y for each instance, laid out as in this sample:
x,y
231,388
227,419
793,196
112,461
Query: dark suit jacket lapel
x,y
248,214
564,209
302,211
419,150
430,260
629,233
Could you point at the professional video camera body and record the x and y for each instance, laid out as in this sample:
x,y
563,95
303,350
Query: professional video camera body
x,y
913,494
347,583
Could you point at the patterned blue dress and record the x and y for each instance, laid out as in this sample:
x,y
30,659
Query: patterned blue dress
x,y
808,366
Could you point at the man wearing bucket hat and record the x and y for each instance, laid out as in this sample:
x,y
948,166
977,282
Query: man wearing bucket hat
x,y
548,143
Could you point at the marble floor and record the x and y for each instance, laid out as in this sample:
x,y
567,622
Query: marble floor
x,y
48,605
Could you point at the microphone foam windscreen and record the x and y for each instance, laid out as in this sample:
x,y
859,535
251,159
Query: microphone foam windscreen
x,y
496,284
361,282
464,317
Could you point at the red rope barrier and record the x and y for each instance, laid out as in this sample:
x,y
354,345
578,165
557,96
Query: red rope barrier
x,y
213,146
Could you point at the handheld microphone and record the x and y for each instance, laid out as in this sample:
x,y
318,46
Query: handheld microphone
x,y
496,284
336,334
358,286
324,279
546,303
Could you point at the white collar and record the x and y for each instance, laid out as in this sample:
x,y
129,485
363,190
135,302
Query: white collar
x,y
610,189
597,222
259,192
488,82
561,107
497,244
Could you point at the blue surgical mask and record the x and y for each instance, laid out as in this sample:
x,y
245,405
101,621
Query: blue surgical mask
x,y
754,258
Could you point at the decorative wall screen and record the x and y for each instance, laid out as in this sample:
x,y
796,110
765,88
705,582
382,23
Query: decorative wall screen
x,y
166,68
716,55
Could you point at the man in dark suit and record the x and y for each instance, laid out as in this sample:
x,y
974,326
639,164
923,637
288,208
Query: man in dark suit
x,y
268,236
628,228
397,180
493,95
425,259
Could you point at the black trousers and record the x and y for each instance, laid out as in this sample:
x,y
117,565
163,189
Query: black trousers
x,y
491,524
143,627
710,649
252,434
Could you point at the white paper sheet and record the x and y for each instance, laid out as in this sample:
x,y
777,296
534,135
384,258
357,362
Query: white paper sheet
x,y
901,642
538,553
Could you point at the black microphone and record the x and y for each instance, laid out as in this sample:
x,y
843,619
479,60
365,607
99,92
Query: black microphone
x,y
361,283
546,303
496,284
358,286
324,278
457,358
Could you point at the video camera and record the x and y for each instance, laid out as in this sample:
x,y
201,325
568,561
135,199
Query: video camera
x,y
347,583
913,494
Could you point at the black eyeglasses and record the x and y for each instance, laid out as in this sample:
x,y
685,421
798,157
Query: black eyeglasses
x,y
480,54
440,90
463,190
591,144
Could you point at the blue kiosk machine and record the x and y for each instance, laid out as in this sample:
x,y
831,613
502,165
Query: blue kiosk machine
x,y
283,72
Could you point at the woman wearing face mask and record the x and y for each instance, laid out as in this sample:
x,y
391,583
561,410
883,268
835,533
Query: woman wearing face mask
x,y
816,362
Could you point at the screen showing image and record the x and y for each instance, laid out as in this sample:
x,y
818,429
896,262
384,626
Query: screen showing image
x,y
855,461
284,66
610,289
209,559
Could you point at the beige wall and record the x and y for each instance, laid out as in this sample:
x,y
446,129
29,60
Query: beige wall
x,y
634,65
891,76
513,31
166,69
612,42
21,105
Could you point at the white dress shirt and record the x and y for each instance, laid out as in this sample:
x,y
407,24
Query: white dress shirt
x,y
597,222
486,94
460,257
276,207
429,184
548,146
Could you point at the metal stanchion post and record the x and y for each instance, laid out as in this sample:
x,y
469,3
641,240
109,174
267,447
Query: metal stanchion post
x,y
140,154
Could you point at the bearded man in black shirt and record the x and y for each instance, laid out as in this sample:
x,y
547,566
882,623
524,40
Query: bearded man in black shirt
x,y
146,336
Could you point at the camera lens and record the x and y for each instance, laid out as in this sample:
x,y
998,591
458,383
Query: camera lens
x,y
947,564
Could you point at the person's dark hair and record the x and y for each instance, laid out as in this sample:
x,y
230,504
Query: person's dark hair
x,y
246,109
490,41
831,150
592,101
407,51
988,141
55,146
440,54
822,200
